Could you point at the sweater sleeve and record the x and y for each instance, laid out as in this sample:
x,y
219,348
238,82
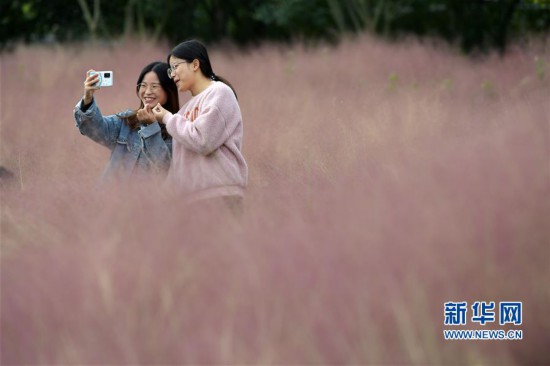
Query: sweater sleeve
x,y
210,129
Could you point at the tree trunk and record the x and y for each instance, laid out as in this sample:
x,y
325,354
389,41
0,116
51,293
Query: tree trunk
x,y
501,38
92,20
129,18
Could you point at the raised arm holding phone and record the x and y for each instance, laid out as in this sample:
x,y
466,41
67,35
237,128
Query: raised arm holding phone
x,y
138,143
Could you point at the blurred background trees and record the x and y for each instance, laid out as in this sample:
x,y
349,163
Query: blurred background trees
x,y
472,25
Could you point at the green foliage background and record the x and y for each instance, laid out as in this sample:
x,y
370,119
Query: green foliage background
x,y
472,25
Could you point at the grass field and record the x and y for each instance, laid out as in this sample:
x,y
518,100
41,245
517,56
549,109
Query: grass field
x,y
385,180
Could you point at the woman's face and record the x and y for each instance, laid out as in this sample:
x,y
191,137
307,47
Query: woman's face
x,y
150,91
182,73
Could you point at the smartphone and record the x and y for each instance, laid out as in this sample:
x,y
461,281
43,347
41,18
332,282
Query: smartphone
x,y
105,78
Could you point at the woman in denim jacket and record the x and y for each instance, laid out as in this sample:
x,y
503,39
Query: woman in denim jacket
x,y
138,143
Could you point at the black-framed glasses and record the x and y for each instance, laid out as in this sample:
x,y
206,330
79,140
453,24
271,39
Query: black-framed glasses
x,y
173,68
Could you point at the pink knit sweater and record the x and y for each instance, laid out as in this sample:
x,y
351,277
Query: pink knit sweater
x,y
207,135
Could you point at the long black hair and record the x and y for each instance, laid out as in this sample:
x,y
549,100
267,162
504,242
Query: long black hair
x,y
195,50
172,101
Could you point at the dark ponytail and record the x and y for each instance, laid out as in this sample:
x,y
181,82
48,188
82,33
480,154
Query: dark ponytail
x,y
195,50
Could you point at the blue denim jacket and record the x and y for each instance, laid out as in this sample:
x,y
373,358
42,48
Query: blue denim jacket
x,y
132,150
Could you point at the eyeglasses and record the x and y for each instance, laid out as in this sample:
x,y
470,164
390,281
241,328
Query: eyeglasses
x,y
144,86
173,68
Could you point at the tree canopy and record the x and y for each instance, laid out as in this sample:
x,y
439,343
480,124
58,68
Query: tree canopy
x,y
473,25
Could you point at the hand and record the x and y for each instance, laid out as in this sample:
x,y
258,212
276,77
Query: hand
x,y
159,112
89,88
145,115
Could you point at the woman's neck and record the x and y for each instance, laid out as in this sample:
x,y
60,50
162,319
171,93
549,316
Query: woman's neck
x,y
200,85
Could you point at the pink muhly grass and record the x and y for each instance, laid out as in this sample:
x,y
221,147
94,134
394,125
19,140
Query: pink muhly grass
x,y
385,180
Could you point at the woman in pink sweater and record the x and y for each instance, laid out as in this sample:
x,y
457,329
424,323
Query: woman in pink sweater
x,y
207,132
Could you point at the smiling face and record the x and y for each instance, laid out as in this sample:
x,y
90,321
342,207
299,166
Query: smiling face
x,y
182,73
150,91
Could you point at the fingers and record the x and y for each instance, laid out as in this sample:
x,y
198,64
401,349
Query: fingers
x,y
90,84
90,76
145,114
91,80
159,112
140,114
146,110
